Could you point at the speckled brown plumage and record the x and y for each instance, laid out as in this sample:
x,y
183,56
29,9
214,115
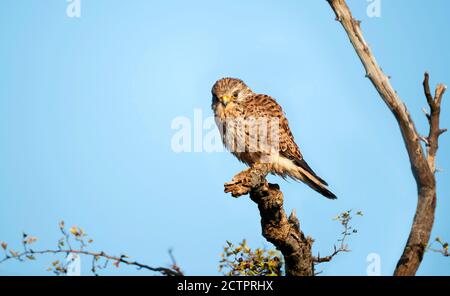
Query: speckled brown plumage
x,y
255,129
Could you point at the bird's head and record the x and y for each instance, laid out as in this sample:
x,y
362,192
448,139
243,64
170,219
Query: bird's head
x,y
229,90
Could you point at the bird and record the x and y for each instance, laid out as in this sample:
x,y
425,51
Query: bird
x,y
254,128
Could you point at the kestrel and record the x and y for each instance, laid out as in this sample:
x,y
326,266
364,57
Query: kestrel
x,y
254,128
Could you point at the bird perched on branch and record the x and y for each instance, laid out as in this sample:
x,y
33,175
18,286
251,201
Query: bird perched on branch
x,y
254,128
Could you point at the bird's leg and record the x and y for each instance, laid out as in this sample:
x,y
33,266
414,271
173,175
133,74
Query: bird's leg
x,y
247,180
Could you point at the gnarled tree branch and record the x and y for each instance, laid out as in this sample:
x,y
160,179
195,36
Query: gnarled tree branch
x,y
277,228
422,164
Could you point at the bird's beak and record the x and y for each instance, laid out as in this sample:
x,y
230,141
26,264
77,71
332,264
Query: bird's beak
x,y
225,99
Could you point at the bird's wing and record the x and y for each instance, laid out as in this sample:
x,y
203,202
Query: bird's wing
x,y
265,106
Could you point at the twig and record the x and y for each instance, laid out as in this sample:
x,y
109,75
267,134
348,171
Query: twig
x,y
345,219
162,270
65,247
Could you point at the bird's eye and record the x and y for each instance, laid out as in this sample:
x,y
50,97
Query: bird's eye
x,y
235,94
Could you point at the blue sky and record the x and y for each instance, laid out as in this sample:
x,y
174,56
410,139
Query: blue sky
x,y
86,106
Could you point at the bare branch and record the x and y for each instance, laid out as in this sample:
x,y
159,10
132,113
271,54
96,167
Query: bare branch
x,y
175,266
435,110
426,88
330,257
422,166
427,115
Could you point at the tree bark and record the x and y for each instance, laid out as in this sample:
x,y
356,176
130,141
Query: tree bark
x,y
422,164
277,228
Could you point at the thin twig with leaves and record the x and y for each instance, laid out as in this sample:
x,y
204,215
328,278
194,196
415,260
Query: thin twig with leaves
x,y
100,260
443,247
344,218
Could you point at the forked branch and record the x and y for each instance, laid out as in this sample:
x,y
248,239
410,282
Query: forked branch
x,y
422,163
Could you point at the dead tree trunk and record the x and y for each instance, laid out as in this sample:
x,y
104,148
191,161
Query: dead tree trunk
x,y
422,163
277,228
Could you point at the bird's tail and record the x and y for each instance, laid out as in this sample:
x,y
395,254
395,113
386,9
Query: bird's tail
x,y
307,175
